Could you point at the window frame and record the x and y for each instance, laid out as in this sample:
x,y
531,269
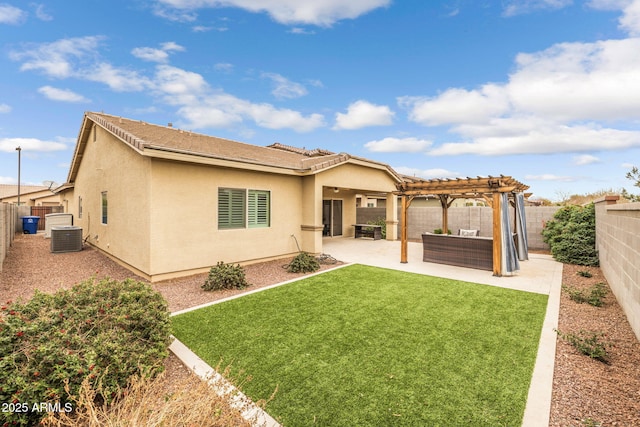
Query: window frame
x,y
104,218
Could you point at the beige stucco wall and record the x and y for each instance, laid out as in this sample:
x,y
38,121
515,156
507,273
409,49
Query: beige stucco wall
x,y
184,225
112,166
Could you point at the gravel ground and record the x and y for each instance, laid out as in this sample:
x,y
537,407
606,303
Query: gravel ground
x,y
585,392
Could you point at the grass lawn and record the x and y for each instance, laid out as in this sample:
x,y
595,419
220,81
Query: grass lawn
x,y
364,346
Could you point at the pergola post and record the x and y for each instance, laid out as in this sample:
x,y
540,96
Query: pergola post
x,y
497,234
403,231
445,213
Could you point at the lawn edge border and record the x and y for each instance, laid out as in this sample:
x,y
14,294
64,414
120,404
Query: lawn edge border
x,y
253,291
237,400
538,408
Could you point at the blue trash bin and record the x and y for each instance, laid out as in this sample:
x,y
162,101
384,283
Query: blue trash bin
x,y
30,224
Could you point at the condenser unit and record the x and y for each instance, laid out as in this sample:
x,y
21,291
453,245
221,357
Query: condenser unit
x,y
66,239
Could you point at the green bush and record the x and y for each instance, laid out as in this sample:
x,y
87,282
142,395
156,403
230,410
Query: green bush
x,y
588,343
439,231
225,276
585,273
303,263
103,331
572,235
382,223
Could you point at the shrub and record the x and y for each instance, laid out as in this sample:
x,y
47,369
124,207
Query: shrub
x,y
303,263
382,223
585,273
594,296
101,332
588,343
439,231
225,276
572,235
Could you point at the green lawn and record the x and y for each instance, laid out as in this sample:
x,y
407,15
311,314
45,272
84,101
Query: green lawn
x,y
364,346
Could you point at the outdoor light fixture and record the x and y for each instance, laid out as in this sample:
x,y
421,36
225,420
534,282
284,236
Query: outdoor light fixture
x,y
336,189
19,150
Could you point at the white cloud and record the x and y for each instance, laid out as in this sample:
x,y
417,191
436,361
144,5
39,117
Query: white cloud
x,y
157,55
398,145
203,107
11,14
426,173
64,95
550,177
197,102
58,59
223,67
362,114
41,14
5,108
284,88
585,159
29,144
298,30
118,79
458,106
519,7
318,12
539,138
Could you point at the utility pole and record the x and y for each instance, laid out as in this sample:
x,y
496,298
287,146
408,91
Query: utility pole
x,y
19,150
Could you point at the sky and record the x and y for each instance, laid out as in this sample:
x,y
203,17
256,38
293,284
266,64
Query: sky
x,y
545,91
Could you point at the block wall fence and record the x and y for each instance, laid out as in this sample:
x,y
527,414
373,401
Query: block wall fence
x,y
427,219
618,244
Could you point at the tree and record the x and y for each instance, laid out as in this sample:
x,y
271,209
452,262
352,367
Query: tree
x,y
633,175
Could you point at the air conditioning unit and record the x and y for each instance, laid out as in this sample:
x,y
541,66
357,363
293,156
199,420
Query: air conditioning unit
x,y
66,239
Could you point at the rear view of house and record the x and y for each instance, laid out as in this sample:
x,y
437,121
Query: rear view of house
x,y
167,202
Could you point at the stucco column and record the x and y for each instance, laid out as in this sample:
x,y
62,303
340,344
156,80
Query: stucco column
x,y
311,227
392,216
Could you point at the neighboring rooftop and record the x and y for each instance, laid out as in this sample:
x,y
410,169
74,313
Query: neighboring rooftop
x,y
10,190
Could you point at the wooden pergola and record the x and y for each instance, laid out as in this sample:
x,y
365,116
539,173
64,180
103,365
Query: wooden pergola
x,y
447,190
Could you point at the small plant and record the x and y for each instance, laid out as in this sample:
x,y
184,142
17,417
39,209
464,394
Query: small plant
x,y
594,297
439,231
225,276
590,422
303,263
588,343
584,273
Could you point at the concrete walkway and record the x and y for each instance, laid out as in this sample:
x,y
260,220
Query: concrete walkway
x,y
540,274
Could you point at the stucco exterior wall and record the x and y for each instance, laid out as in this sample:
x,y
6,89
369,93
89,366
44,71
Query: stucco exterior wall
x,y
184,224
112,166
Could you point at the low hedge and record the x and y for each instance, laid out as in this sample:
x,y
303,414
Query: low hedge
x,y
104,331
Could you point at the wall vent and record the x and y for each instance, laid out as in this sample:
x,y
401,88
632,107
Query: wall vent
x,y
66,239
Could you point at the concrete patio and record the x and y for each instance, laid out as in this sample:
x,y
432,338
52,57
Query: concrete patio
x,y
540,274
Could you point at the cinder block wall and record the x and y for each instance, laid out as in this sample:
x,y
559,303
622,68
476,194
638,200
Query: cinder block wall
x,y
427,219
618,244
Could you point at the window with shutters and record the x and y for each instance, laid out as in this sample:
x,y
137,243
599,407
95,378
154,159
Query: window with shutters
x,y
231,208
259,208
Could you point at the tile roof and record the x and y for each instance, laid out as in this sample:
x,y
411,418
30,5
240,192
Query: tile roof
x,y
142,135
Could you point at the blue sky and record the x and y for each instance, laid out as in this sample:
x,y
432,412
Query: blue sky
x,y
546,91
